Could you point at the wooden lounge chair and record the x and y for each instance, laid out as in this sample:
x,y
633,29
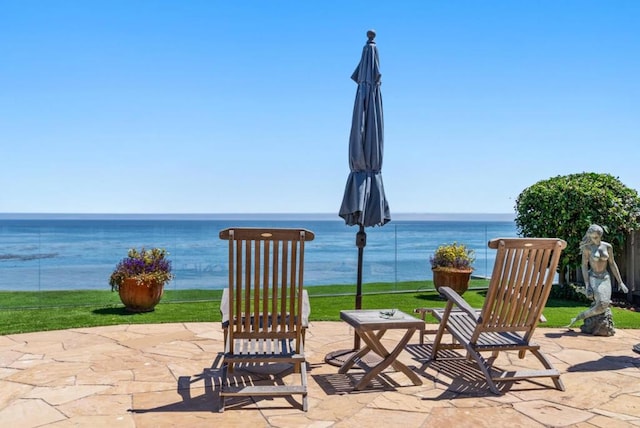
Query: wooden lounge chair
x,y
522,277
265,311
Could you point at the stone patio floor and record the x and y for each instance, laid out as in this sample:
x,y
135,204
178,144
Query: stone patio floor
x,y
166,375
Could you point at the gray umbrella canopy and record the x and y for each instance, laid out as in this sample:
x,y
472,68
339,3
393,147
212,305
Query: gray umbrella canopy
x,y
364,202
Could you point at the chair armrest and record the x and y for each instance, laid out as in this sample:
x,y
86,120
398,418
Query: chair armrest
x,y
423,312
454,297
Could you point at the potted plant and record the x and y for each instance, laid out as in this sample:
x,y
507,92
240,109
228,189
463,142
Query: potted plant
x,y
140,277
452,265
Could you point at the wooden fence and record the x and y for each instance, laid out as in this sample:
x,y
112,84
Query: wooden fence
x,y
629,262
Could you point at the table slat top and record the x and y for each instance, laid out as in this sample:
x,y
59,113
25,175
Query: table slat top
x,y
378,319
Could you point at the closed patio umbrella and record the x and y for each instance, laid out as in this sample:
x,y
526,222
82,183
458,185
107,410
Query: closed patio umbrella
x,y
364,203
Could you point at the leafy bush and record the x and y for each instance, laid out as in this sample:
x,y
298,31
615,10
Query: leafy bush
x,y
568,292
565,207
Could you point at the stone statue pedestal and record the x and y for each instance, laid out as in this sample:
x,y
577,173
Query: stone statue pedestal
x,y
599,325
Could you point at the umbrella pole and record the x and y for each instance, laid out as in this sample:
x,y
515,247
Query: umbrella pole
x,y
361,242
338,358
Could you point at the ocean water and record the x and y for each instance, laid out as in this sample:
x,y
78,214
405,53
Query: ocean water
x,y
80,253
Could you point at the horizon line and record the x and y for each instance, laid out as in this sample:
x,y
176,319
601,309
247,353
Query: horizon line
x,y
407,216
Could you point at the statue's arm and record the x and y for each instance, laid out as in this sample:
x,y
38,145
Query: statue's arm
x,y
614,269
585,266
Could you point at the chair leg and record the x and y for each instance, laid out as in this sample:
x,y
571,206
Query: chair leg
x,y
547,365
441,329
223,379
303,380
485,368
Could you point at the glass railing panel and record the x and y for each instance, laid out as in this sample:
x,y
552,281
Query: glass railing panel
x,y
44,255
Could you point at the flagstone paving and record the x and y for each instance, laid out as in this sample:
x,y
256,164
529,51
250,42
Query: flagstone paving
x,y
166,375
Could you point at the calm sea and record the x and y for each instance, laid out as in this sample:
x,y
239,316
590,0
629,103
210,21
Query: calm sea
x,y
80,253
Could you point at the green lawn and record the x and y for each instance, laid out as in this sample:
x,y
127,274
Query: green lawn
x,y
22,312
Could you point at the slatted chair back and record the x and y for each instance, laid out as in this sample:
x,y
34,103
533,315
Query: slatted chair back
x,y
266,277
520,284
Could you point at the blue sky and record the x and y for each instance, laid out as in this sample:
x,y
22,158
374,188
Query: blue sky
x,y
245,107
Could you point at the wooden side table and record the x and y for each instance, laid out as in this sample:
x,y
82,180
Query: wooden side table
x,y
370,326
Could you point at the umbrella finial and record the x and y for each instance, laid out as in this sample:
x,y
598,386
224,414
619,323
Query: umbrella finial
x,y
371,34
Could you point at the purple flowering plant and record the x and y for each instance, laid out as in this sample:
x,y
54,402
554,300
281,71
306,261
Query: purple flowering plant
x,y
146,266
453,257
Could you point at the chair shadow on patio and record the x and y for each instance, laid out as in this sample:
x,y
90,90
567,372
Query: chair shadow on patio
x,y
342,384
206,402
463,377
460,377
211,378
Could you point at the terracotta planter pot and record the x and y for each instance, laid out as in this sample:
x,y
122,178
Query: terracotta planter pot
x,y
456,280
140,297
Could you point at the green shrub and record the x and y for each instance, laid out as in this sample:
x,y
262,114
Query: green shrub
x,y
568,292
565,206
